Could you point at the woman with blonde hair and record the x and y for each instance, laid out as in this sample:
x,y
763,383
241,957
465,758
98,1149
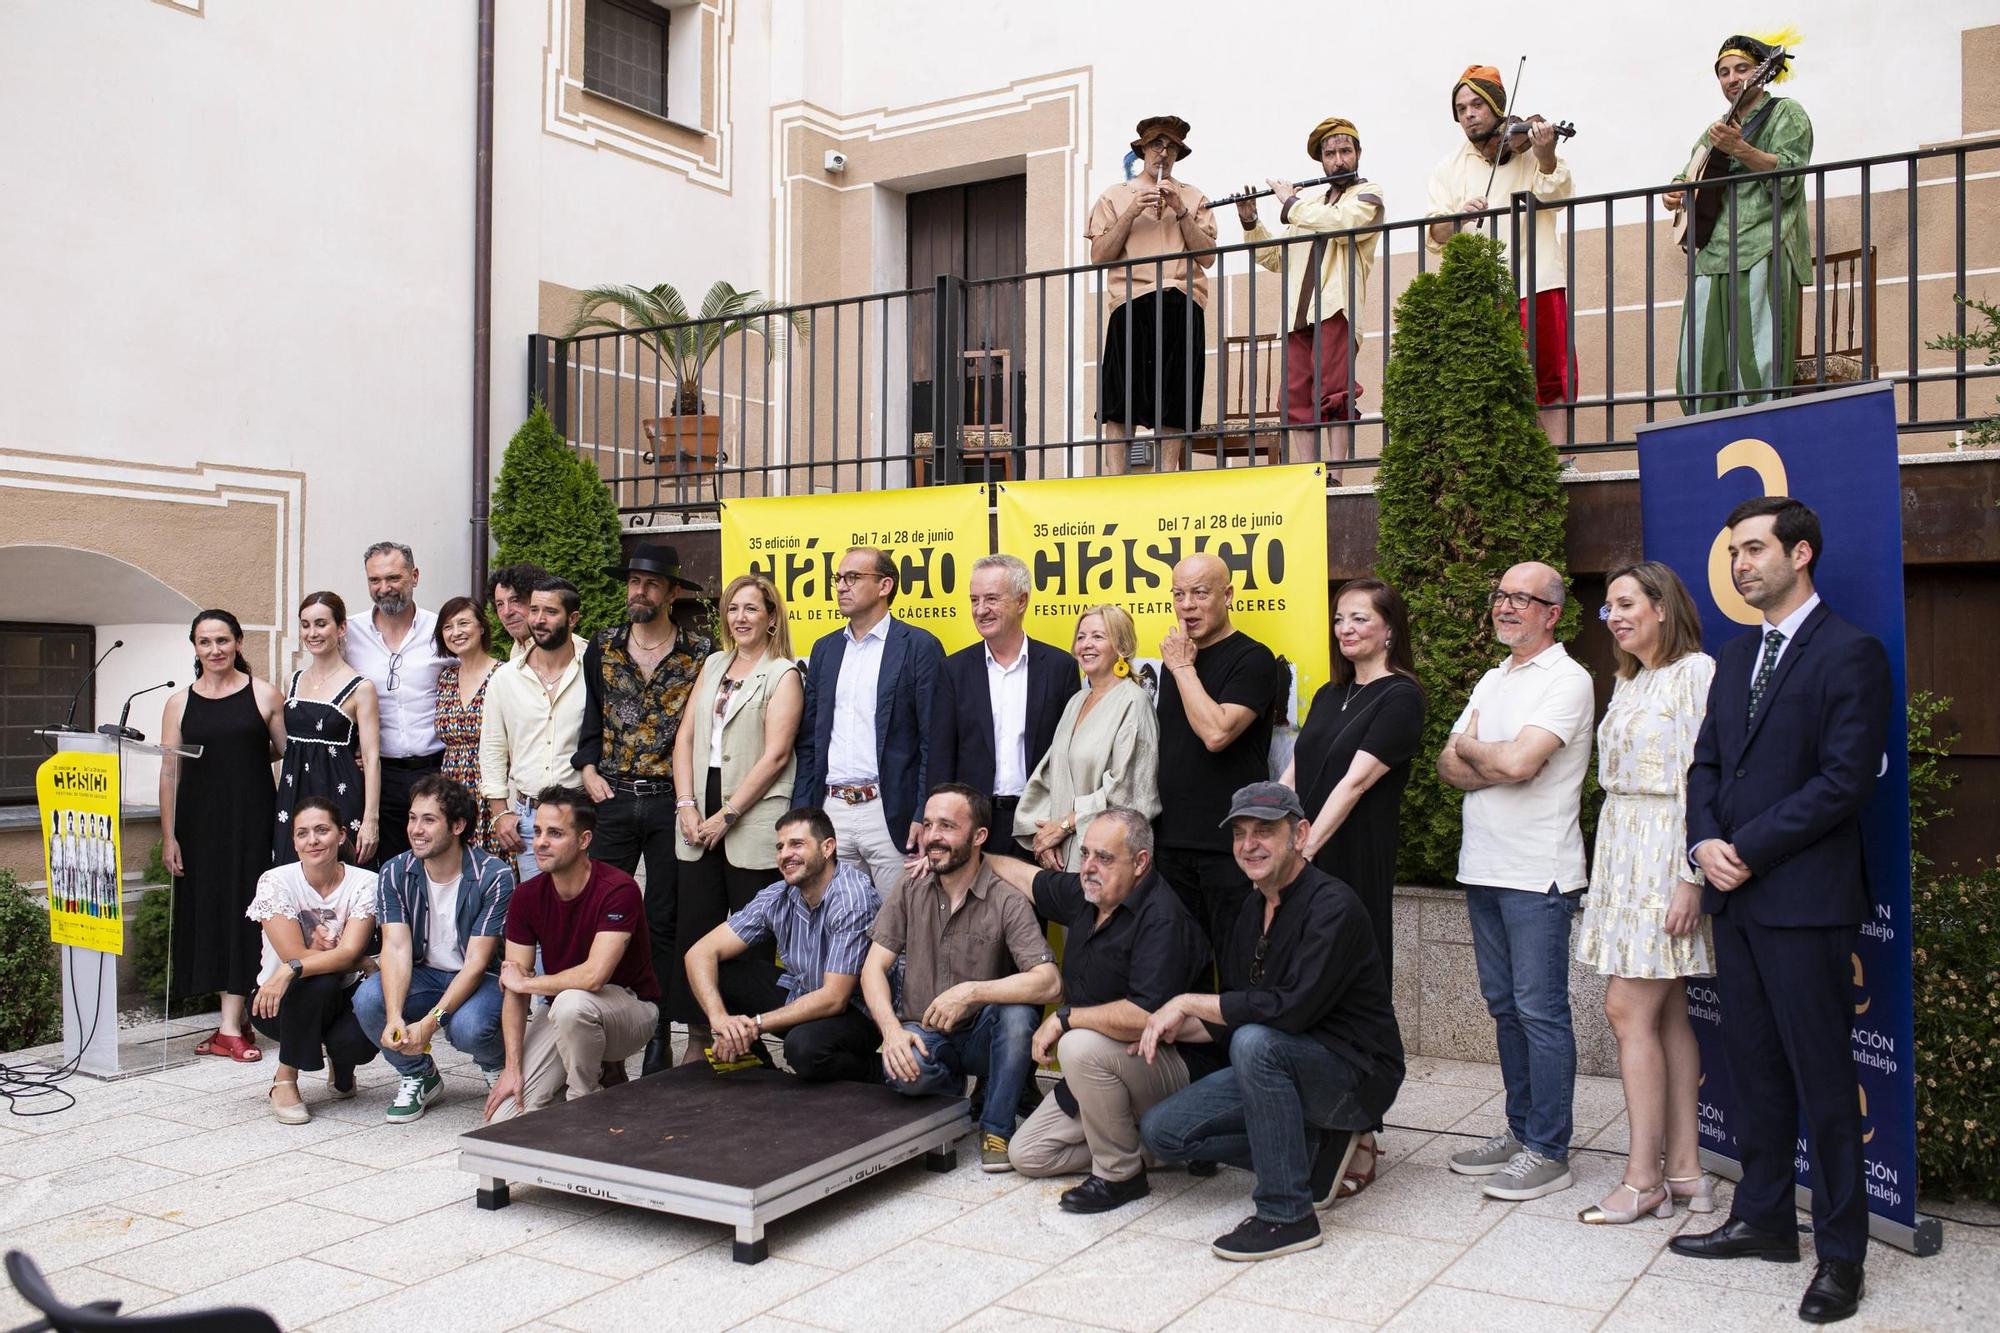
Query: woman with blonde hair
x,y
733,769
1106,749
1643,927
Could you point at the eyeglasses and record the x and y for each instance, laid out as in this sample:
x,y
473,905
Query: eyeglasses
x,y
1257,960
847,578
395,670
1518,601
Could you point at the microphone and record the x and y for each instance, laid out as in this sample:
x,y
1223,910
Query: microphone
x,y
120,730
69,720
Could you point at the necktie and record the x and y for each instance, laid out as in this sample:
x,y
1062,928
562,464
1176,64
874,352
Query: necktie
x,y
1772,642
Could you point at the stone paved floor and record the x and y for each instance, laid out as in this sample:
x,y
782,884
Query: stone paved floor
x,y
179,1190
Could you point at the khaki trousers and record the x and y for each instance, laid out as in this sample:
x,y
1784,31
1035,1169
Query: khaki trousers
x,y
1112,1091
567,1045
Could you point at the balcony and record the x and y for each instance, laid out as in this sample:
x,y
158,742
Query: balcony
x,y
853,400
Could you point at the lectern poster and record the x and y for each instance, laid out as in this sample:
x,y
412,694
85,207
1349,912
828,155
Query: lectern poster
x,y
79,800
931,533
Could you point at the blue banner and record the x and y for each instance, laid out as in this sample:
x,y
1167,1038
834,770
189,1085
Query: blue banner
x,y
1836,452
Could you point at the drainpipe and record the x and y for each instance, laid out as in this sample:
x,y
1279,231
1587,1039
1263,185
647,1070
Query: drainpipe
x,y
482,302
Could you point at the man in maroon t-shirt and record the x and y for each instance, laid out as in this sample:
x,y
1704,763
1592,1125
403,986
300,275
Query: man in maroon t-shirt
x,y
603,997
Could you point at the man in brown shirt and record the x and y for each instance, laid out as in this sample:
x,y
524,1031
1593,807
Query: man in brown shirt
x,y
976,972
1156,335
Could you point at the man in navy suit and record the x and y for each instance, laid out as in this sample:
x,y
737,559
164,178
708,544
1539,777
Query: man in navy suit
x,y
1786,759
998,702
864,739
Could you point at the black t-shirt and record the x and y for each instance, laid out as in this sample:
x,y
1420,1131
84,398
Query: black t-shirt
x,y
1320,976
1196,786
1148,952
1386,718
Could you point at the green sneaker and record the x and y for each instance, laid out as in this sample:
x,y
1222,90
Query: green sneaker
x,y
413,1093
993,1154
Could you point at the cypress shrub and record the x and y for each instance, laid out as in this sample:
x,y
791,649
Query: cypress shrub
x,y
29,970
549,507
1467,487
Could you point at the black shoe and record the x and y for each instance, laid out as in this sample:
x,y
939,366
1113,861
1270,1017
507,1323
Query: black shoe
x,y
1737,1239
659,1051
1203,1170
1254,1239
1336,1150
1834,1293
1098,1195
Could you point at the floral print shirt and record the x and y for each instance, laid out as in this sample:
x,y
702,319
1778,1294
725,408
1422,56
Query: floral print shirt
x,y
629,722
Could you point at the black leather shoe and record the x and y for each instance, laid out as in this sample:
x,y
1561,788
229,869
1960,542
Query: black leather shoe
x,y
658,1052
1203,1170
1737,1239
1098,1195
1834,1293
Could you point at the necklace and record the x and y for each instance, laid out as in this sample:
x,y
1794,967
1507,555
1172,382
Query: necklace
x,y
632,637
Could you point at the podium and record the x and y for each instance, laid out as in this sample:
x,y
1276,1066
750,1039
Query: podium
x,y
83,837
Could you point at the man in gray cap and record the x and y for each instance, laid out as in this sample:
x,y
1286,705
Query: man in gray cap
x,y
1315,1057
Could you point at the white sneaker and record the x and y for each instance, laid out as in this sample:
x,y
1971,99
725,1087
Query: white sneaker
x,y
1529,1176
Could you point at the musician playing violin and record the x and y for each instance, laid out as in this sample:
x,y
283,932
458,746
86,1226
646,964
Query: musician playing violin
x,y
1499,159
1770,258
1330,279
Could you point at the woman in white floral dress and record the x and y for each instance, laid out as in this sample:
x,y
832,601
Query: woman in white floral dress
x,y
1643,926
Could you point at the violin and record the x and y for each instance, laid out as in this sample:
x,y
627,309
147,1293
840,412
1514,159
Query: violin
x,y
1513,127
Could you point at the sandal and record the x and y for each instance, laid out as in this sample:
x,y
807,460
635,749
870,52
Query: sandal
x,y
241,1049
1658,1201
296,1113
1353,1181
206,1046
1696,1191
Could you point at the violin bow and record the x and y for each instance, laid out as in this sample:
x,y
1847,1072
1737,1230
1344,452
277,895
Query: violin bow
x,y
1506,116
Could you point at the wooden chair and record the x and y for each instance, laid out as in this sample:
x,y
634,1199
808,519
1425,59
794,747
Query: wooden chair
x,y
1850,299
986,439
1237,437
685,450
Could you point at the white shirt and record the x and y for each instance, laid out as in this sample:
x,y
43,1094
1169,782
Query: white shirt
x,y
408,712
851,756
1525,835
1789,627
1008,688
441,949
528,735
285,891
1464,175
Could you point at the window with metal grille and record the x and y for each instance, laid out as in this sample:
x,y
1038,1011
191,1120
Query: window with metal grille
x,y
625,52
40,668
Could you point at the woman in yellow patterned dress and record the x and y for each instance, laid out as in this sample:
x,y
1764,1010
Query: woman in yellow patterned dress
x,y
1643,926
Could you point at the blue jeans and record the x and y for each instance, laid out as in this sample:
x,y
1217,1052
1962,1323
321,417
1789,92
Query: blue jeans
x,y
1521,942
995,1050
1264,1113
474,1027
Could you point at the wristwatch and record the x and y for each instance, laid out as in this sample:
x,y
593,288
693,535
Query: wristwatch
x,y
298,966
728,815
1062,1017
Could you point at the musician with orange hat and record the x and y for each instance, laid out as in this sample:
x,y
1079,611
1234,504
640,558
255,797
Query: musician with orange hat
x,y
1496,162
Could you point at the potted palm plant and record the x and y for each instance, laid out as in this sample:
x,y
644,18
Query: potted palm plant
x,y
683,343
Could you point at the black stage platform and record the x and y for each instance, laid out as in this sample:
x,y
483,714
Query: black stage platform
x,y
741,1148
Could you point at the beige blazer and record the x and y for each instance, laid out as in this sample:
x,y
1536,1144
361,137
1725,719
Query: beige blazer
x,y
751,842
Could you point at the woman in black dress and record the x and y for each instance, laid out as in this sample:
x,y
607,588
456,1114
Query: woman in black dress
x,y
333,735
215,824
1352,763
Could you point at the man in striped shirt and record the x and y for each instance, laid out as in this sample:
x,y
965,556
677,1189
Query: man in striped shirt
x,y
818,915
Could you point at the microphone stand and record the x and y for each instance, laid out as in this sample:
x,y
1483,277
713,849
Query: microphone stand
x,y
119,730
69,718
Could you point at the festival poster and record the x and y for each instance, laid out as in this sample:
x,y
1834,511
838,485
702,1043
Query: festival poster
x,y
1836,451
78,794
1117,539
933,533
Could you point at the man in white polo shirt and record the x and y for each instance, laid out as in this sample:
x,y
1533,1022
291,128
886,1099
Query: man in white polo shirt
x,y
1519,752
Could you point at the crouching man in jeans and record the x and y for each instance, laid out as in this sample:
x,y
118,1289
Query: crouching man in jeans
x,y
603,998
442,906
1315,1057
976,972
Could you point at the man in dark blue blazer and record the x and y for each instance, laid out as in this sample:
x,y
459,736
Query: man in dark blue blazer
x,y
864,739
1786,760
998,702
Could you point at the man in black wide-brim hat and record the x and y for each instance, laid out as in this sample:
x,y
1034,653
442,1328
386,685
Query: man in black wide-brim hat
x,y
638,676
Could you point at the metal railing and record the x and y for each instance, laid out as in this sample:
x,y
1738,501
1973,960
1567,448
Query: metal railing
x,y
848,394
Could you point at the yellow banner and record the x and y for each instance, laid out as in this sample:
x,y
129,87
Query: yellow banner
x,y
79,799
1117,539
933,533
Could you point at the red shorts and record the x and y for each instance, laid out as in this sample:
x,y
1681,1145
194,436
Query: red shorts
x,y
1554,375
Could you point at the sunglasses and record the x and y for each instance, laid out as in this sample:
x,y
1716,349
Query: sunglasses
x,y
1257,960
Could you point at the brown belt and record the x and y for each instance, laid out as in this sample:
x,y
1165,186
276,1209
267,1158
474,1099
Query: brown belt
x,y
854,795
